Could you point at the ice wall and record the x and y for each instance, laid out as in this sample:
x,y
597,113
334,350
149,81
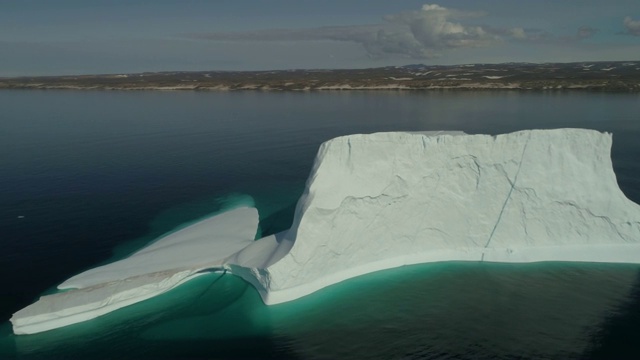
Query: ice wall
x,y
384,200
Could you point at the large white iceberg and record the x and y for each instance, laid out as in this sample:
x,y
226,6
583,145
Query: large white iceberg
x,y
385,200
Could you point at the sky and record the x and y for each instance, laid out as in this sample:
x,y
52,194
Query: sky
x,y
69,37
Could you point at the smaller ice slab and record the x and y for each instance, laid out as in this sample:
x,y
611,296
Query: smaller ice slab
x,y
205,243
157,268
74,306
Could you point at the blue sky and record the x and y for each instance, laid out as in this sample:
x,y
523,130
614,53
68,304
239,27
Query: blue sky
x,y
41,37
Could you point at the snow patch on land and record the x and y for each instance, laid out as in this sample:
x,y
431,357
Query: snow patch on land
x,y
374,87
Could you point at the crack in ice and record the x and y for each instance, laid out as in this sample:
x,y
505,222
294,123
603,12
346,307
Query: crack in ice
x,y
506,201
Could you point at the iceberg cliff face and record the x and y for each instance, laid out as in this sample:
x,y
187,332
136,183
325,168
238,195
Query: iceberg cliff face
x,y
389,199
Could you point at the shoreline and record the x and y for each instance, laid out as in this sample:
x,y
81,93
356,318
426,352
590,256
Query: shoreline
x,y
584,76
571,88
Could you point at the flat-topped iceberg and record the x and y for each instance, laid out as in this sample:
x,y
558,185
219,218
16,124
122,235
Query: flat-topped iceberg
x,y
384,200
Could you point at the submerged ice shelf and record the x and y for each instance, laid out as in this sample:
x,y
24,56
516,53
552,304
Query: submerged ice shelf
x,y
385,200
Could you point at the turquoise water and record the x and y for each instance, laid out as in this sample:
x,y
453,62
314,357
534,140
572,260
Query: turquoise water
x,y
97,175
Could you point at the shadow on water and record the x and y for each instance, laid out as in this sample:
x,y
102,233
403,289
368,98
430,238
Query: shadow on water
x,y
278,221
276,204
617,337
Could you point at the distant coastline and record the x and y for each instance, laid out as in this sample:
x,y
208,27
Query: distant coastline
x,y
622,76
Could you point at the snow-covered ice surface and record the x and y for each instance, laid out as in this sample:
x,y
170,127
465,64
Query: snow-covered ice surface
x,y
384,200
155,269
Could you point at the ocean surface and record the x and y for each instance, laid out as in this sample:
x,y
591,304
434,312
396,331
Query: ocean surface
x,y
88,177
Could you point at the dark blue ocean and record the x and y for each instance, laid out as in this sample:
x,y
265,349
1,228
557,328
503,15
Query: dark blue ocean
x,y
87,177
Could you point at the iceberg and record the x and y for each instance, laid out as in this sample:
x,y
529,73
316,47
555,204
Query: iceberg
x,y
155,269
384,200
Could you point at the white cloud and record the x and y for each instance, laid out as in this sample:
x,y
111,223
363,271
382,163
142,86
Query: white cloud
x,y
585,32
632,27
437,28
538,36
428,7
424,33
518,33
